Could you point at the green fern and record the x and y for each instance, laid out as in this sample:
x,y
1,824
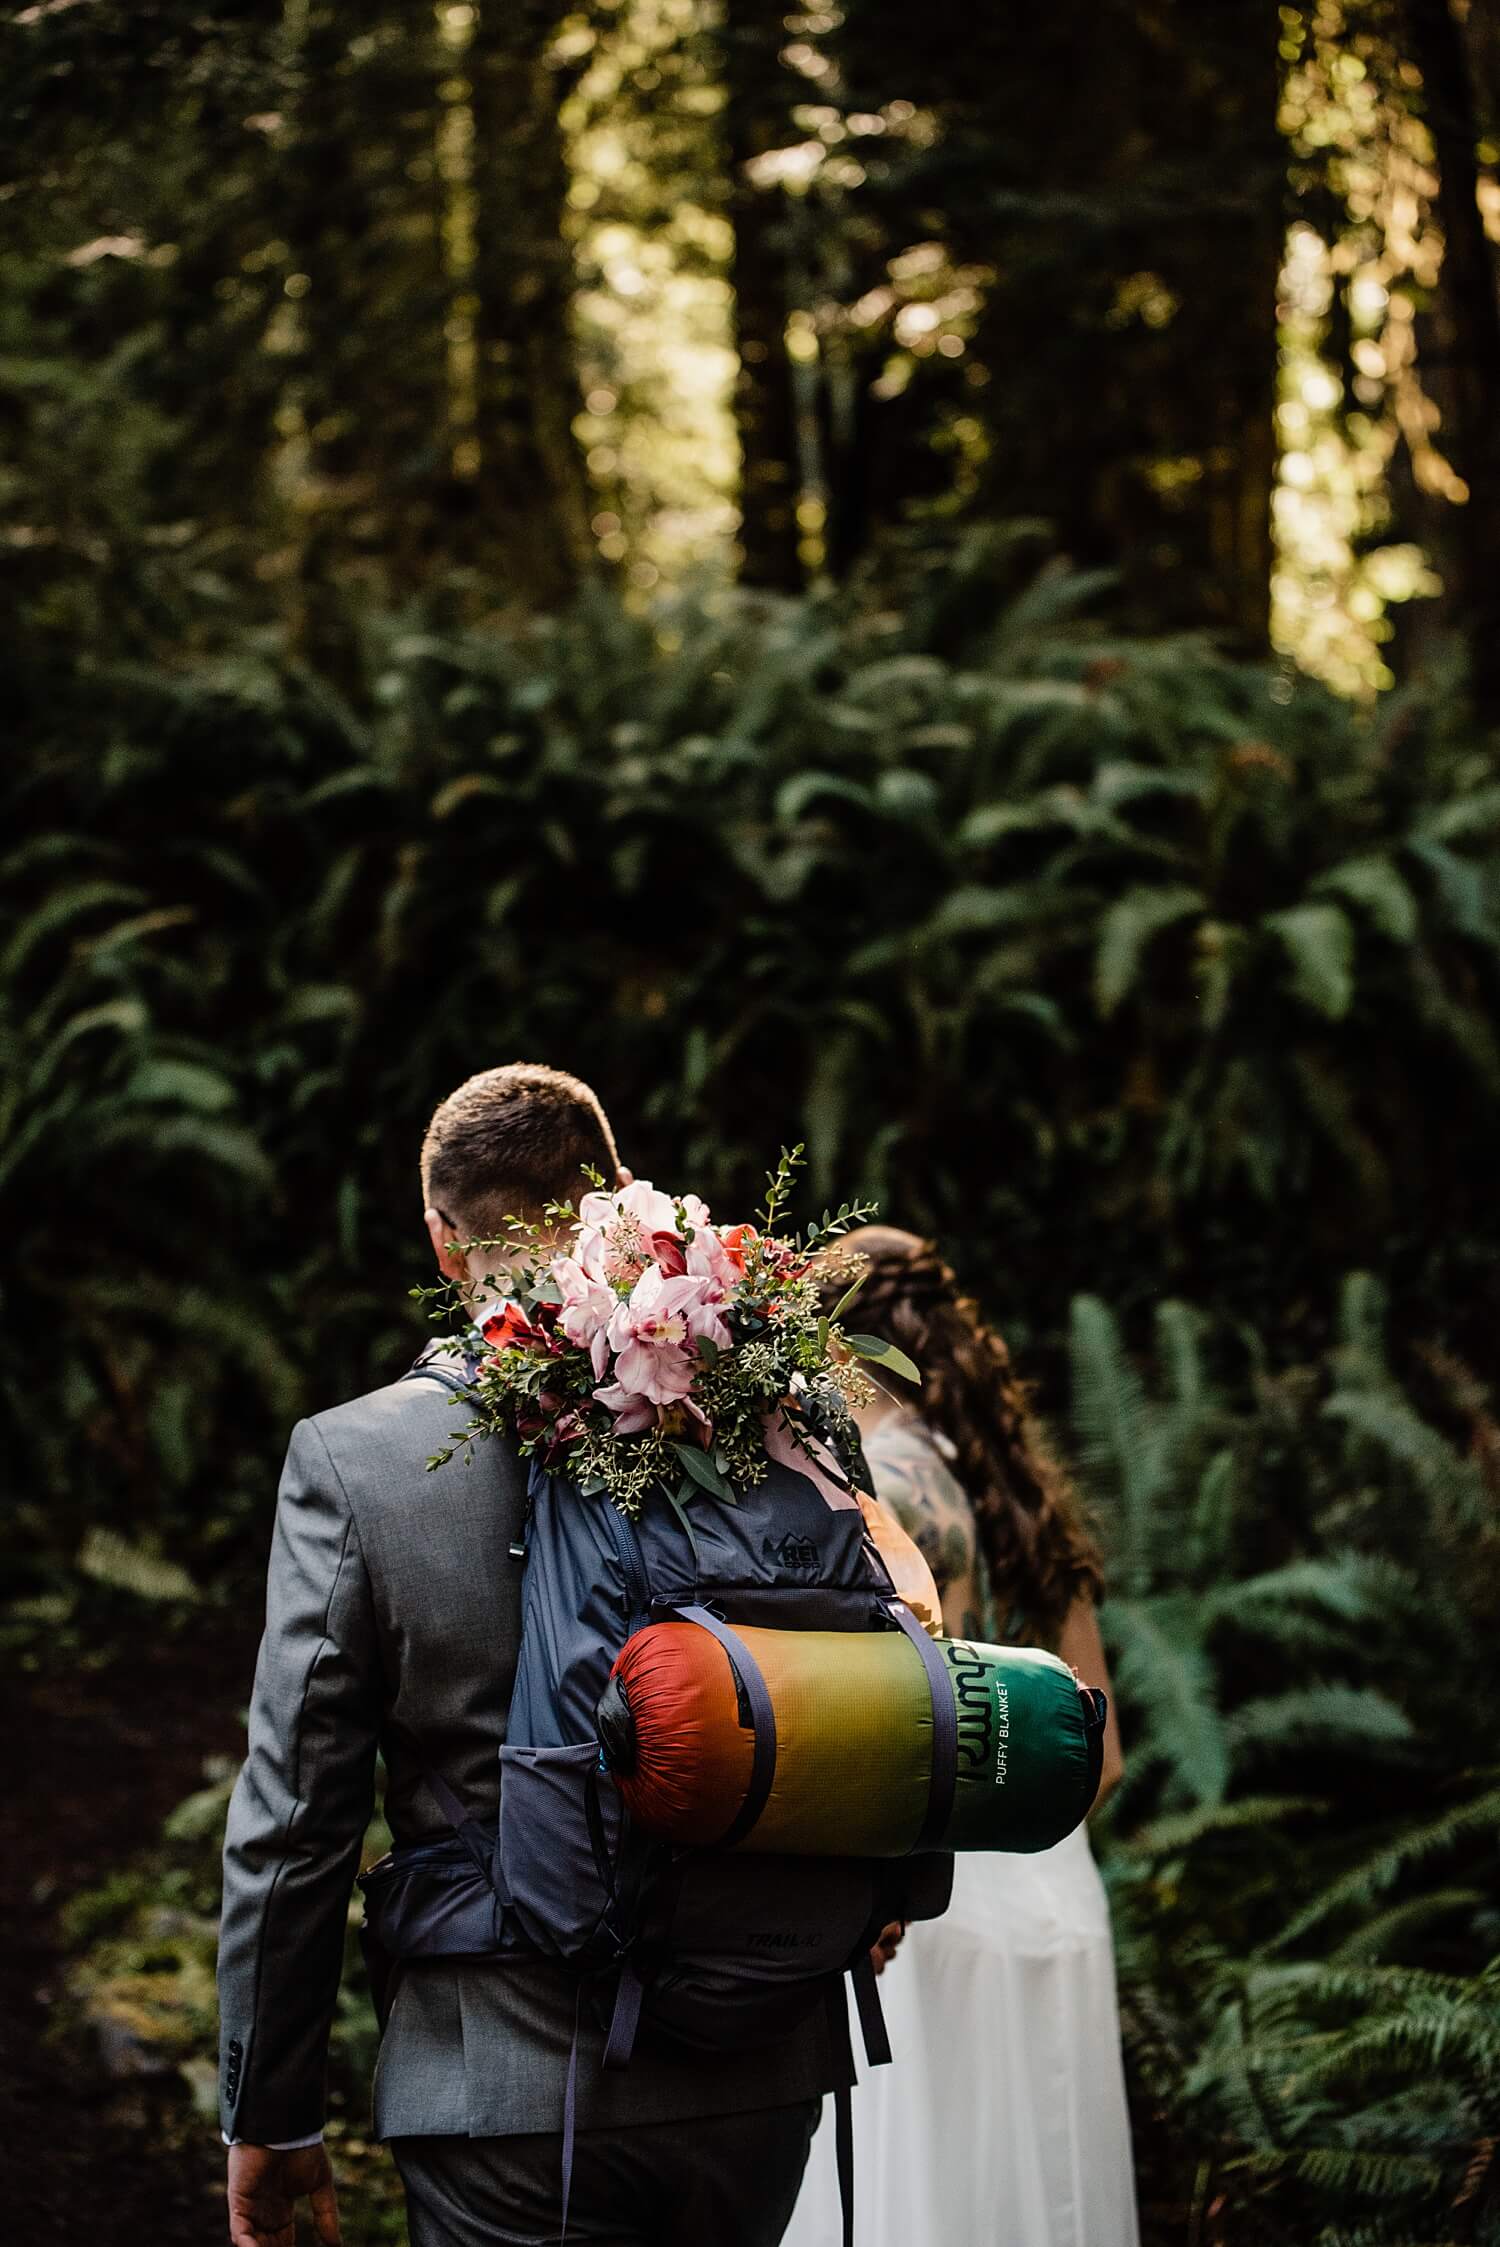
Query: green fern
x,y
1169,1681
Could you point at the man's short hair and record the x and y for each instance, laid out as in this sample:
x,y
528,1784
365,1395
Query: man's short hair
x,y
510,1141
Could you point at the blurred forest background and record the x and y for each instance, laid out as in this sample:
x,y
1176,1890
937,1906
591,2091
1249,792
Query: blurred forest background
x,y
922,580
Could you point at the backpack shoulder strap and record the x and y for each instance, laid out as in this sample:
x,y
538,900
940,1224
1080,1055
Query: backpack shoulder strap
x,y
437,1361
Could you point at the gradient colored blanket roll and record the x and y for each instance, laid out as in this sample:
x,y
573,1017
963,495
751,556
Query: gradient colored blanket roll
x,y
851,1759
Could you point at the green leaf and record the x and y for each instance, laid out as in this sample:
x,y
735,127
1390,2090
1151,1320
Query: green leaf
x,y
842,1305
1129,926
1319,943
186,1084
678,1501
112,1559
1374,885
795,795
703,1471
59,912
880,1352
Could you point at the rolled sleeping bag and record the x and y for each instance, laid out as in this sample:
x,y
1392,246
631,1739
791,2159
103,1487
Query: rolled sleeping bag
x,y
821,1743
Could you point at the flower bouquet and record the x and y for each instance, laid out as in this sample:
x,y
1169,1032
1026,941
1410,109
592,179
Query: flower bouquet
x,y
639,1344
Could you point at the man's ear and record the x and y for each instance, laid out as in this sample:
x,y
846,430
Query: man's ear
x,y
624,1177
451,1261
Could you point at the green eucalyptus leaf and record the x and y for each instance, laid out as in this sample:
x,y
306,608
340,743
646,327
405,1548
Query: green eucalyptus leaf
x,y
842,1305
703,1470
679,1500
880,1352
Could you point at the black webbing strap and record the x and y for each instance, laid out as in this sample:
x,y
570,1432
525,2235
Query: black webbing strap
x,y
476,1842
944,1727
871,2017
843,2102
762,1717
604,1864
1095,1717
625,2019
570,2113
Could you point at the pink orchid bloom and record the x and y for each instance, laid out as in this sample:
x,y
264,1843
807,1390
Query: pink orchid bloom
x,y
654,1212
705,1255
653,1334
588,1250
666,1248
637,1226
588,1305
707,1258
632,1414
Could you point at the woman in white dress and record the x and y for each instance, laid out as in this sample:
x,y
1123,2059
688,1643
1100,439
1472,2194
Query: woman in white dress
x,y
1002,2119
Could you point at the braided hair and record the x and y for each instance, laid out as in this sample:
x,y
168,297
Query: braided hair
x,y
1037,1551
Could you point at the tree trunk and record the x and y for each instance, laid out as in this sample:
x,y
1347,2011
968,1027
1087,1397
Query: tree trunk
x,y
1110,179
361,334
761,92
527,504
1140,264
1470,383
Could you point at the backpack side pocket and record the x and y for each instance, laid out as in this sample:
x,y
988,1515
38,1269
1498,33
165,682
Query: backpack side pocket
x,y
560,1823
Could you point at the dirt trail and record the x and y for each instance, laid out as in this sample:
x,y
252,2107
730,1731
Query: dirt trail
x,y
96,1761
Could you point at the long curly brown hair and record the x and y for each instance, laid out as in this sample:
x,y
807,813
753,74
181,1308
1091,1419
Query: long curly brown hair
x,y
1037,1551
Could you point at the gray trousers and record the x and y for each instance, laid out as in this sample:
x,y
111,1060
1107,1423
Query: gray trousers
x,y
727,2180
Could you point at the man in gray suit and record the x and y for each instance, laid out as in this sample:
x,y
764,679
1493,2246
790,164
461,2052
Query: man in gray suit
x,y
393,1619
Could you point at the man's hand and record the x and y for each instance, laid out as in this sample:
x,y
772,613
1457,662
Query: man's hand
x,y
264,2188
888,1945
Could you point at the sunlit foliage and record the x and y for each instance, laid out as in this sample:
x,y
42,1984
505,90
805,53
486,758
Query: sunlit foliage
x,y
1363,256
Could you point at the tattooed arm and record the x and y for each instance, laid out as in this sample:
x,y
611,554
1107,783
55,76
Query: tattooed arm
x,y
913,1480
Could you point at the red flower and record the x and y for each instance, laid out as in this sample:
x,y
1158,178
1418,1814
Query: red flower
x,y
667,1250
738,1240
511,1329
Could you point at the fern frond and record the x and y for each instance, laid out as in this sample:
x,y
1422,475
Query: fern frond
x,y
1168,1837
1167,1677
1364,2175
1356,1720
1113,1422
1372,1942
1361,1887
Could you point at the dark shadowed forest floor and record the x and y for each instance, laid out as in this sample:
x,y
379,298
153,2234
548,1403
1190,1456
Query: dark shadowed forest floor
x,y
89,2153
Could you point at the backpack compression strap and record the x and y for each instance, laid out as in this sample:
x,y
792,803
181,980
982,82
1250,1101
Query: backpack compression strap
x,y
762,1714
631,1993
469,1831
843,2103
944,1726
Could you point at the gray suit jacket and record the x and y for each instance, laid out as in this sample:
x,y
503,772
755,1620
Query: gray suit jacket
x,y
392,1596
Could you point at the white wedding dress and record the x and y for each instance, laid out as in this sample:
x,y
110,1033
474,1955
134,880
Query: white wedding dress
x,y
1001,2119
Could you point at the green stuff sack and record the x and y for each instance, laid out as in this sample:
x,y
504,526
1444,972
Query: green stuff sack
x,y
1028,1769
821,1743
